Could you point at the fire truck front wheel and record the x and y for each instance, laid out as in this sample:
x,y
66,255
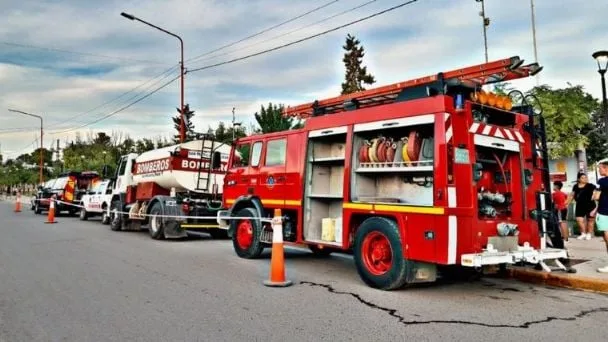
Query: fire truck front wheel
x,y
115,216
247,232
379,255
157,227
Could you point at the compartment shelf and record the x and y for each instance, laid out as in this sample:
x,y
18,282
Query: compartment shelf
x,y
327,159
395,169
327,196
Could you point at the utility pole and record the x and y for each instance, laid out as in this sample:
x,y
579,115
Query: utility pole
x,y
485,23
534,39
234,125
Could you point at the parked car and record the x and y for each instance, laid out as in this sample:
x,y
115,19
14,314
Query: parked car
x,y
95,202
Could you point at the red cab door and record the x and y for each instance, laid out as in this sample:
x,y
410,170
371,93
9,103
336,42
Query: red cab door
x,y
272,173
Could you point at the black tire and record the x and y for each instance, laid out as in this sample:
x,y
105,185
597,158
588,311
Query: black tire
x,y
115,217
83,215
37,209
395,276
320,252
157,228
254,250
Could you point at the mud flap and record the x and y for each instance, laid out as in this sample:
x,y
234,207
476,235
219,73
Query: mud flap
x,y
171,225
173,229
421,272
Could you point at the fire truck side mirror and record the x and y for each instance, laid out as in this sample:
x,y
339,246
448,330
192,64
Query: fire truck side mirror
x,y
216,160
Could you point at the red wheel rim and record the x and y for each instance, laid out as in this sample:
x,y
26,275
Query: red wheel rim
x,y
244,234
377,253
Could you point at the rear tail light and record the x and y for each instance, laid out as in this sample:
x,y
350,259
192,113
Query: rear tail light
x,y
185,208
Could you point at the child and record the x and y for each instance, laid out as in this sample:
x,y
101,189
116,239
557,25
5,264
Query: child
x,y
559,201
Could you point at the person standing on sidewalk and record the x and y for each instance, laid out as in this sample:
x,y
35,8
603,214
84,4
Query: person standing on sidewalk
x,y
601,195
561,210
582,194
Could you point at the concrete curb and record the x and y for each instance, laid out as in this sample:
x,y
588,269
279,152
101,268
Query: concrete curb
x,y
566,280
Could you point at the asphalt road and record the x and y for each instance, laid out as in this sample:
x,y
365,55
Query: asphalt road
x,y
80,281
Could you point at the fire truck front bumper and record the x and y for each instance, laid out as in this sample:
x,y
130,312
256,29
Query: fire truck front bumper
x,y
525,254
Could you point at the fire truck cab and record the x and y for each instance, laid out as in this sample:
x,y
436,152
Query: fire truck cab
x,y
415,177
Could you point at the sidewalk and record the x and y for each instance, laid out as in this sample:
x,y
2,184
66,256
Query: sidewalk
x,y
586,256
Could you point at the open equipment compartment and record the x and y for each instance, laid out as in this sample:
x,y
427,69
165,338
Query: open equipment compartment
x,y
324,185
393,161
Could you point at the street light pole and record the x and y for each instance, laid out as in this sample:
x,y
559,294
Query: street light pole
x,y
602,64
182,69
534,37
41,141
486,22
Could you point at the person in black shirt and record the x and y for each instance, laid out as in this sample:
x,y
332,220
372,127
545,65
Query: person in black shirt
x,y
582,194
601,195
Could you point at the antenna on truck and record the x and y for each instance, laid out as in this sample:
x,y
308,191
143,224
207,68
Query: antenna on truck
x,y
474,76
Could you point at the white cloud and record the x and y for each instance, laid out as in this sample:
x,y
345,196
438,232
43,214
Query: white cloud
x,y
424,38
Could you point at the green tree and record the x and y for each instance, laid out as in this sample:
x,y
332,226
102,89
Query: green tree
x,y
567,112
502,88
271,119
356,74
177,121
597,147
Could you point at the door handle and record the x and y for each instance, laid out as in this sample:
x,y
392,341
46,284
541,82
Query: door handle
x,y
281,178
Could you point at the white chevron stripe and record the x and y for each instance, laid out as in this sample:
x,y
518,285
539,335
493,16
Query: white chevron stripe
x,y
448,134
519,137
509,134
486,130
498,133
474,127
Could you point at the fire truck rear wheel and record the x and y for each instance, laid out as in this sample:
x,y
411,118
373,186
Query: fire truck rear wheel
x,y
379,255
246,237
156,230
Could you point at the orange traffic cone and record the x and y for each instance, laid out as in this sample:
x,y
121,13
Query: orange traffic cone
x,y
277,258
18,203
51,216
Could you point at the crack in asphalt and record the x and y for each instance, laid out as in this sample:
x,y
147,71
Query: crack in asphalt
x,y
402,320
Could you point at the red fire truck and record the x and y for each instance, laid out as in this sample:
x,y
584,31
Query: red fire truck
x,y
413,178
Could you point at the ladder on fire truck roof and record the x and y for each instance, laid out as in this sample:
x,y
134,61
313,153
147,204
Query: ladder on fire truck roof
x,y
474,76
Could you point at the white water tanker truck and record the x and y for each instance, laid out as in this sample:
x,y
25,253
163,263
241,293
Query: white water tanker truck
x,y
170,190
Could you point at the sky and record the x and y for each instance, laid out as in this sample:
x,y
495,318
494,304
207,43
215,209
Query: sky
x,y
77,62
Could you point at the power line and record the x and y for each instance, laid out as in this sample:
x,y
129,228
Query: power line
x,y
294,31
263,31
119,110
162,76
303,39
29,46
